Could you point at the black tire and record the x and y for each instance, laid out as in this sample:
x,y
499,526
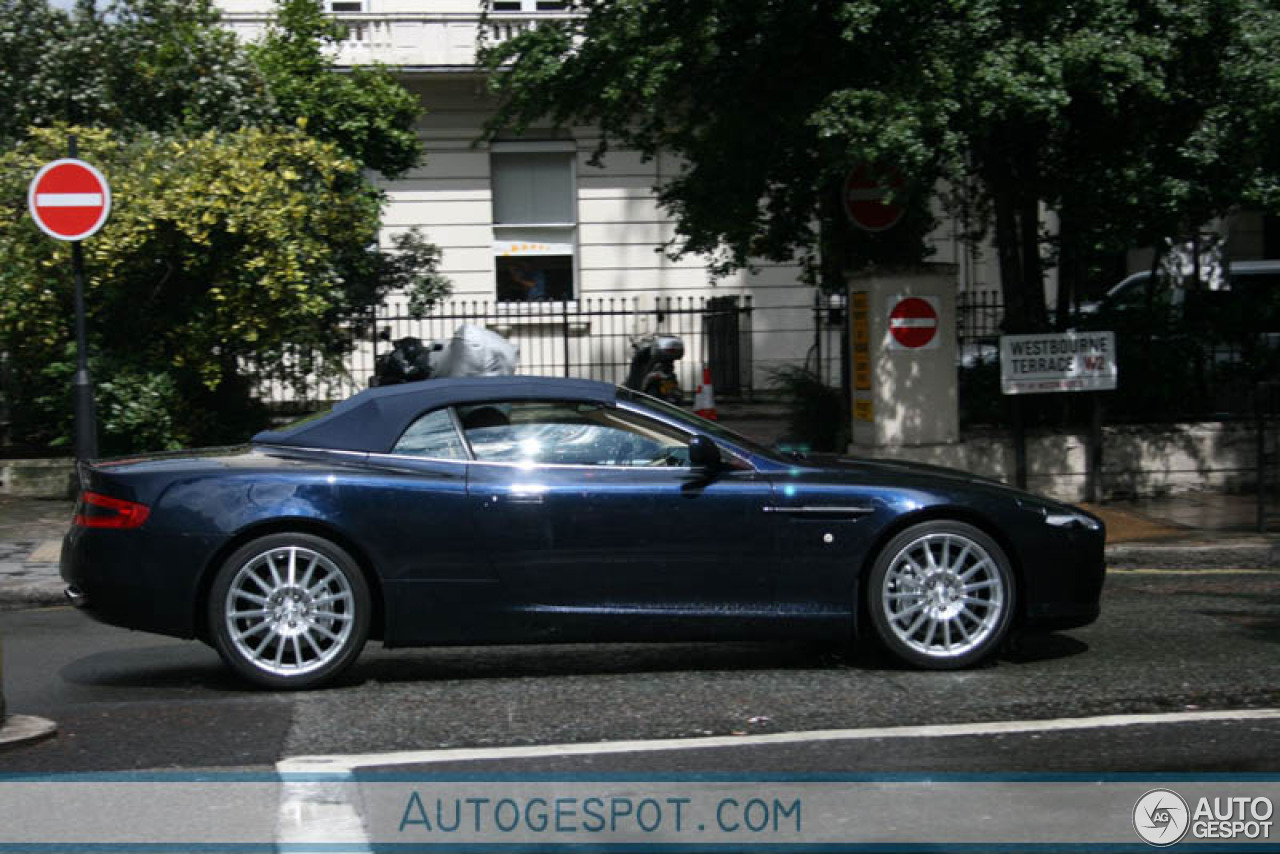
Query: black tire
x,y
289,611
941,596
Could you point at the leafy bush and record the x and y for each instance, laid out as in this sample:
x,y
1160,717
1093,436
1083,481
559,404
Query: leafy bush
x,y
223,250
816,415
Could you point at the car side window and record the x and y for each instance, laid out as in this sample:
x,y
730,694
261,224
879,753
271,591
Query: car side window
x,y
432,435
569,433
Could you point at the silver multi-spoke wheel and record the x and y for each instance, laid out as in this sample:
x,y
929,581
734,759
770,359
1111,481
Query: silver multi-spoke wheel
x,y
291,610
941,595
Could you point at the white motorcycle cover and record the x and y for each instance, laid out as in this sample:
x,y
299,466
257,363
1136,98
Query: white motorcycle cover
x,y
474,351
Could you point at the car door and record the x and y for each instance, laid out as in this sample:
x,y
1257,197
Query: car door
x,y
589,507
418,529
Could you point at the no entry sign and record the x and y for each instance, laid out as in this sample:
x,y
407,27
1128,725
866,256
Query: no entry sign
x,y
913,323
69,199
864,199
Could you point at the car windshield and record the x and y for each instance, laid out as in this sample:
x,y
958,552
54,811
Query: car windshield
x,y
697,424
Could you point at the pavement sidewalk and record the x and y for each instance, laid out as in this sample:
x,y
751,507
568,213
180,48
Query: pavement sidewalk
x,y
31,531
1199,530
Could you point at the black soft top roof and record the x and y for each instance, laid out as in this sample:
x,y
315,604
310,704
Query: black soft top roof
x,y
373,420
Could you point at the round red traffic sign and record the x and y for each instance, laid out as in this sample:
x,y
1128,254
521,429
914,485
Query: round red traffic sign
x,y
913,322
69,199
865,192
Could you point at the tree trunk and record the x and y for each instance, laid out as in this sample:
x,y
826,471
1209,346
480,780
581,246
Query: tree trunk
x,y
1018,248
1007,250
1032,265
1069,270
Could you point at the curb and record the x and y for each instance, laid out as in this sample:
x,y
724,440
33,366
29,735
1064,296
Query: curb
x,y
24,729
32,594
1255,554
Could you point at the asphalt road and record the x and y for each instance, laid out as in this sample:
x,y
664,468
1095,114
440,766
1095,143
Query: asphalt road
x,y
1167,642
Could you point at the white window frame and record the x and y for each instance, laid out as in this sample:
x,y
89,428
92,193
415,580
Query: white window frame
x,y
526,6
541,146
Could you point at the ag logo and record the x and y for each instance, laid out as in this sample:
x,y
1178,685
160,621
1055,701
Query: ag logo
x,y
1161,817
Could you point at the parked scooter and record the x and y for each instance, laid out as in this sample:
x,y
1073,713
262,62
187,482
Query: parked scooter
x,y
472,352
653,366
409,360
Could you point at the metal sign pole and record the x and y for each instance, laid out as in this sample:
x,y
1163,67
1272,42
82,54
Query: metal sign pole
x,y
69,200
1019,444
86,420
86,433
1094,477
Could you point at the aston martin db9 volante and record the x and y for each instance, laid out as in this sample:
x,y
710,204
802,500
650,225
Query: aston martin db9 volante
x,y
527,509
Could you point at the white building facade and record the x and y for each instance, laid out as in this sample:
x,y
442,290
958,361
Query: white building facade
x,y
568,255
567,258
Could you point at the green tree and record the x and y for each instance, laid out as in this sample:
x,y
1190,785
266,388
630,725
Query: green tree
x,y
223,251
169,65
164,65
1129,117
34,41
244,240
366,111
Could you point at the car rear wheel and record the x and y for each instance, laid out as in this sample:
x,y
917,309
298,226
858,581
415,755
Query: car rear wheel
x,y
289,610
941,595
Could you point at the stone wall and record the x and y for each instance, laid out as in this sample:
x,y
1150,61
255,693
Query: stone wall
x,y
1138,460
38,478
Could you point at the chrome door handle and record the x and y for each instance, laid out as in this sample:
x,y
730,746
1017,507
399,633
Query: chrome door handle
x,y
519,498
823,511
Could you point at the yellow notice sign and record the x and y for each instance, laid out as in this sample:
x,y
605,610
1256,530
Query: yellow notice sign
x,y
860,303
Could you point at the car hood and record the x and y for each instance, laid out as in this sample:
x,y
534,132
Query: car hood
x,y
892,470
819,469
840,470
896,467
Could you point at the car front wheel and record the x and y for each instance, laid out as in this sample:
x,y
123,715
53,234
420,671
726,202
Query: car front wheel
x,y
941,595
289,610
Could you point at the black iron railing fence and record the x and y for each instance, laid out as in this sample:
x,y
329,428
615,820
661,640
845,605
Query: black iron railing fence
x,y
587,338
1171,368
827,354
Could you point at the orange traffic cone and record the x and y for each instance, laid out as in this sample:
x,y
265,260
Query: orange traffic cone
x,y
704,399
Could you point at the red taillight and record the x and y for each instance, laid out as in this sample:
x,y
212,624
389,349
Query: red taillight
x,y
102,511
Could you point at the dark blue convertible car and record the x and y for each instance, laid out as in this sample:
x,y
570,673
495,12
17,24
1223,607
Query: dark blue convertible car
x,y
525,509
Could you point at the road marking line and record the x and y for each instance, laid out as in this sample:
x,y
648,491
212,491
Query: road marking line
x,y
349,762
311,810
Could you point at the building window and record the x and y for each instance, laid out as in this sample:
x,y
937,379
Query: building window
x,y
345,5
530,5
534,221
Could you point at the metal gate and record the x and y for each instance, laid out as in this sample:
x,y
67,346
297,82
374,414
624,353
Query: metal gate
x,y
723,339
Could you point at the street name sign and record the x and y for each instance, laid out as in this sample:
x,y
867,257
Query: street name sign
x,y
69,199
1060,361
